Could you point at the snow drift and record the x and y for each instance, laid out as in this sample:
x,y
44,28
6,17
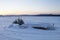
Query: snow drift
x,y
44,26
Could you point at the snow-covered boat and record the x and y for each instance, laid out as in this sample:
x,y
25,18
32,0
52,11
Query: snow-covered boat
x,y
44,26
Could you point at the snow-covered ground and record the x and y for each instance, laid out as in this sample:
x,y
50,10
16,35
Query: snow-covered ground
x,y
9,31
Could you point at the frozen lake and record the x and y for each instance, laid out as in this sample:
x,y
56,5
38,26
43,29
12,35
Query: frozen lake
x,y
30,34
32,19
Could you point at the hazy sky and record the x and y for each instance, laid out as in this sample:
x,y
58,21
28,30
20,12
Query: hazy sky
x,y
29,6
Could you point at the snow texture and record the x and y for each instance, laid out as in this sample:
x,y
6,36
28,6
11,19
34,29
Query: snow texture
x,y
10,31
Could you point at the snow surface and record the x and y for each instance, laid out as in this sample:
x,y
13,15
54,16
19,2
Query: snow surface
x,y
9,31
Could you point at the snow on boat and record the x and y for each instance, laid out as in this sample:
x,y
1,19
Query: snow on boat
x,y
19,23
44,26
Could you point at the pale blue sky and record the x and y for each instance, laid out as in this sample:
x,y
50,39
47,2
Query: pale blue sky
x,y
26,6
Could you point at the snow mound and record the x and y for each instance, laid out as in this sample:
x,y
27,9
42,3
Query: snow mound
x,y
41,25
47,26
17,26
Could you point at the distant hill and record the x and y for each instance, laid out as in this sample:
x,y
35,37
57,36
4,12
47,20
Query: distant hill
x,y
33,15
48,15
